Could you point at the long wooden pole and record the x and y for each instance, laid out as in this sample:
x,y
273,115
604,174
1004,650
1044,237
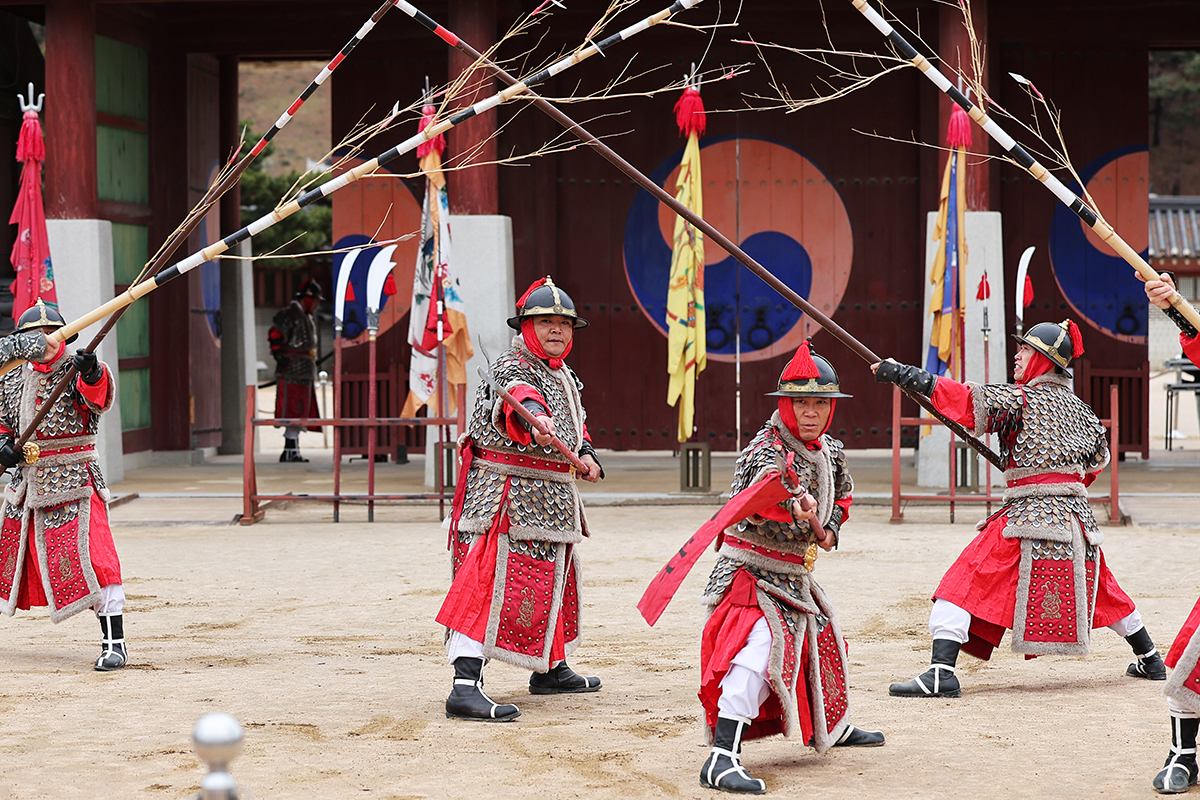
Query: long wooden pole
x,y
214,193
723,241
1021,157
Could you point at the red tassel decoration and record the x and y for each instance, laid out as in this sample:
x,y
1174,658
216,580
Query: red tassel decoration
x,y
438,143
802,366
985,289
1076,339
349,291
529,291
389,286
30,144
1027,297
958,132
689,113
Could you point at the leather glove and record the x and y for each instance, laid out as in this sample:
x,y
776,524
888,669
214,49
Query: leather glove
x,y
8,457
906,377
88,366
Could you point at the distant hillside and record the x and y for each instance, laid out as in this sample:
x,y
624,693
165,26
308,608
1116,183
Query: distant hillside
x,y
265,90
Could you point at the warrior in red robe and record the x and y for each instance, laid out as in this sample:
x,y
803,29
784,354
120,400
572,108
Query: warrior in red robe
x,y
772,655
518,518
1036,566
1179,773
56,547
293,343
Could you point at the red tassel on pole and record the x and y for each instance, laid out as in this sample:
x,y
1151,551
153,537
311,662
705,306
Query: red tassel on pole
x,y
689,113
985,289
389,285
958,132
349,291
438,143
1027,297
30,144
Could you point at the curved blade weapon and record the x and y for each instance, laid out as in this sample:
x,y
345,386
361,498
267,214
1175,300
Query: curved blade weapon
x,y
1019,294
1020,156
662,196
214,193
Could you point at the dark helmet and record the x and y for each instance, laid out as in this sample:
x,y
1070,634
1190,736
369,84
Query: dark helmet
x,y
808,375
310,289
40,315
543,298
1057,341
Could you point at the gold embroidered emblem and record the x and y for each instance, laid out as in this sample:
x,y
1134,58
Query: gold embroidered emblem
x,y
525,620
10,568
64,567
1051,602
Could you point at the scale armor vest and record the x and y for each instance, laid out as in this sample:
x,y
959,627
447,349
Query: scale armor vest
x,y
299,344
823,472
542,505
72,423
1044,428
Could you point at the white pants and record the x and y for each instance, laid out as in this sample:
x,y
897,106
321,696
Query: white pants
x,y
1179,711
948,621
459,645
112,600
746,685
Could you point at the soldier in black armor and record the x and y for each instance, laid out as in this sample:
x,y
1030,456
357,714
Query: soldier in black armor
x,y
1036,566
293,343
772,656
56,547
518,518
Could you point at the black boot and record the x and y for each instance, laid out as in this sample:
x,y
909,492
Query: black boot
x,y
291,452
723,770
937,681
112,642
561,679
1179,772
857,737
1149,664
467,699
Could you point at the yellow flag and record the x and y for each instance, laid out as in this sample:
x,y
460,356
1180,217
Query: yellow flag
x,y
686,355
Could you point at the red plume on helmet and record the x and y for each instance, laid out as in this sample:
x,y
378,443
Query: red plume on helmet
x,y
801,367
1076,339
521,300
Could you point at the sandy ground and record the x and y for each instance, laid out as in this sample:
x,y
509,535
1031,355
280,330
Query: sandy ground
x,y
320,639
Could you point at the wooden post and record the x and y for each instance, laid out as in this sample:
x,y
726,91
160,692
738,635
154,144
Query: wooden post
x,y
897,514
476,190
70,113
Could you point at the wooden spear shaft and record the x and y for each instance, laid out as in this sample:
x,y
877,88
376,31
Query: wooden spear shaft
x,y
1021,157
726,244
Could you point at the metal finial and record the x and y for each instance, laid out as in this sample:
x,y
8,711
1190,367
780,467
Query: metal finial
x,y
30,105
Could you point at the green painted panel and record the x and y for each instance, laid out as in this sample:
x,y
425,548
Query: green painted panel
x,y
122,165
122,79
130,251
134,386
133,331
